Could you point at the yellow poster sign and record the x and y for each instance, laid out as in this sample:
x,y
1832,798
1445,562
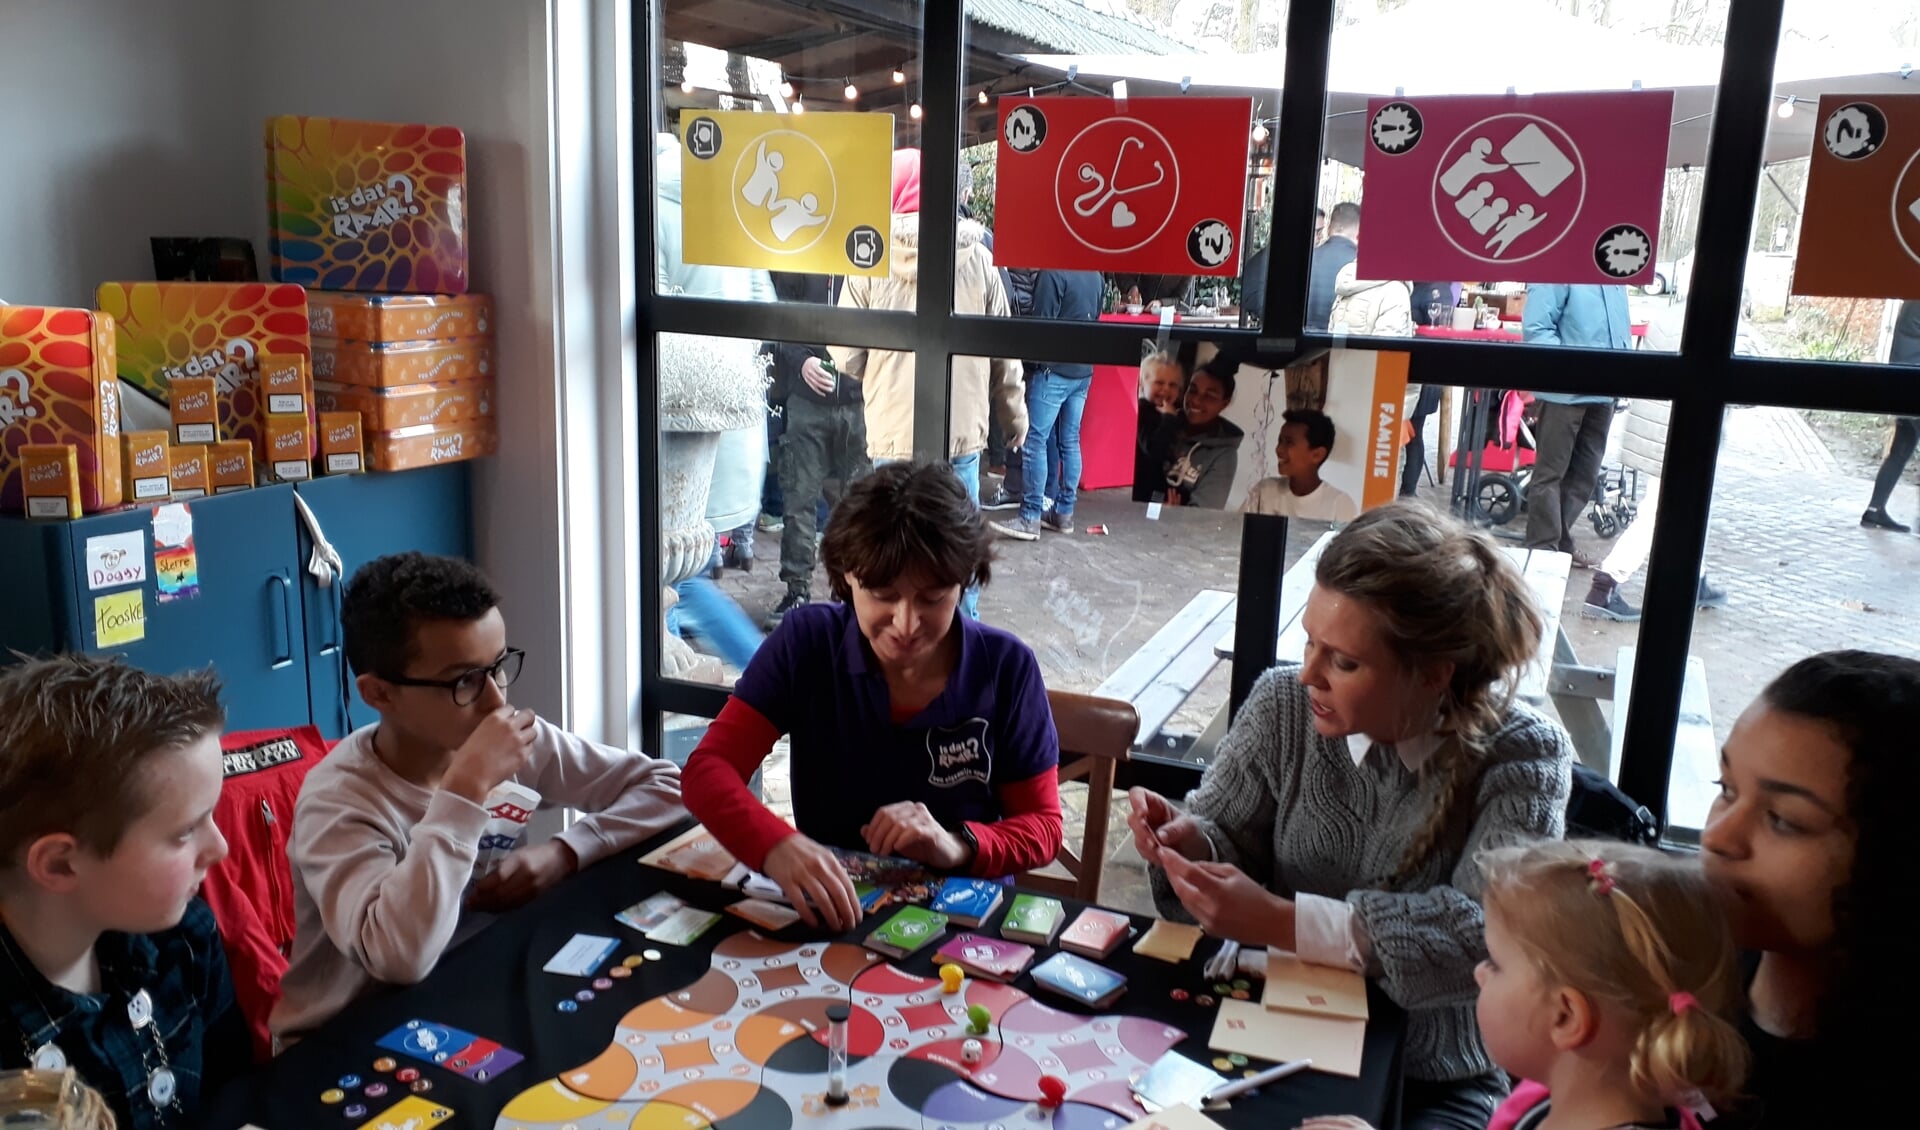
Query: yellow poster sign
x,y
119,618
787,192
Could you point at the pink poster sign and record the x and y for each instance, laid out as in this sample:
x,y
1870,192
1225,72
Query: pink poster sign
x,y
1562,188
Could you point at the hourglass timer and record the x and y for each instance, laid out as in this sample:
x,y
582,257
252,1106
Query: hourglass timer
x,y
837,1054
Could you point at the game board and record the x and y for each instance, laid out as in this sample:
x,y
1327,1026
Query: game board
x,y
743,1048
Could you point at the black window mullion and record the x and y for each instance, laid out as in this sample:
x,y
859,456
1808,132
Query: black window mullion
x,y
1303,119
943,60
1742,110
647,22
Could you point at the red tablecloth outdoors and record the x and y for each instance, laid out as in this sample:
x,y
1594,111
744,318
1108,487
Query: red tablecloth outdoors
x,y
1638,329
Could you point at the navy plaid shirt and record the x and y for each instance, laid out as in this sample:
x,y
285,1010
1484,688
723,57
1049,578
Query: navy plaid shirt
x,y
183,970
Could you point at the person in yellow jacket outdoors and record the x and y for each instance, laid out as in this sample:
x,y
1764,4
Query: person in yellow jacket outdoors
x,y
980,384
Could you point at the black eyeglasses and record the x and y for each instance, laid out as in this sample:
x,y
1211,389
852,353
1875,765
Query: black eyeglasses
x,y
467,686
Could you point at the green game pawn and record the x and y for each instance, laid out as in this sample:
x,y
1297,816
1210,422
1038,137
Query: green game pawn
x,y
978,1018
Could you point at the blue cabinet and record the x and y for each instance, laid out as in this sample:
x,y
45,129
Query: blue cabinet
x,y
259,618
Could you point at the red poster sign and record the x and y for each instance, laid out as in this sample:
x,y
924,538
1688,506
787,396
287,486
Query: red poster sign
x,y
1560,188
1860,233
1153,185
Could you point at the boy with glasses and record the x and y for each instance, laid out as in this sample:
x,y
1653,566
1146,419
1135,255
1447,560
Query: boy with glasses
x,y
390,827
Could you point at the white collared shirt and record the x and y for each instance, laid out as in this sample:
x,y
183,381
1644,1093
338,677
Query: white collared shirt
x,y
1327,931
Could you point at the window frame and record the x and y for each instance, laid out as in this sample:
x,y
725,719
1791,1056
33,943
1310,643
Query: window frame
x,y
1701,381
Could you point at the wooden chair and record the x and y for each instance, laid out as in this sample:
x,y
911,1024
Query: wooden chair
x,y
1095,736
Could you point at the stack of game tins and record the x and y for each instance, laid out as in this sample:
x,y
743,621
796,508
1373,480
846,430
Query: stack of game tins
x,y
371,218
418,369
59,412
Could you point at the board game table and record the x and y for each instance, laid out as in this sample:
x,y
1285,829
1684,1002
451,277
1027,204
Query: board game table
x,y
719,1034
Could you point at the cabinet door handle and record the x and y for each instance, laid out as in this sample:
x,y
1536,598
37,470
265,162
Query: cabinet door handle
x,y
284,656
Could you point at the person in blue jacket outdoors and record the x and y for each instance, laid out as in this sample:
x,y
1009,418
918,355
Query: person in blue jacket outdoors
x,y
1056,400
1572,433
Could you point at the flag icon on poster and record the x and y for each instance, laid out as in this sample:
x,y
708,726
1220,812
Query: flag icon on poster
x,y
1142,184
787,192
1544,188
1860,232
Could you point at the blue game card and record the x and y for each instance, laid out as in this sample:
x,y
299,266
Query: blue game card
x,y
968,901
1078,979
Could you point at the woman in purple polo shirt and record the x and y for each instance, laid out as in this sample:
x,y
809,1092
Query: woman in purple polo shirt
x,y
914,731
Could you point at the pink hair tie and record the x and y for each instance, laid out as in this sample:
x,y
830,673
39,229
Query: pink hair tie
x,y
1681,1002
1597,875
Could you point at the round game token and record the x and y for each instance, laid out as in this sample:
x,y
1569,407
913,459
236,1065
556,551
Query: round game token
x,y
1242,983
650,955
567,1006
332,1096
375,1090
407,1074
1223,988
1220,1063
632,961
603,983
1237,1059
1179,994
1203,1000
619,973
357,1110
1241,995
1248,1073
583,996
349,1081
384,1064
420,1086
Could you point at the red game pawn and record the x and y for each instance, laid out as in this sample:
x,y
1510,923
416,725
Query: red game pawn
x,y
1053,1091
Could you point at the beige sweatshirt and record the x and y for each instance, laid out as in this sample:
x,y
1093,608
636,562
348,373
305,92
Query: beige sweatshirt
x,y
381,865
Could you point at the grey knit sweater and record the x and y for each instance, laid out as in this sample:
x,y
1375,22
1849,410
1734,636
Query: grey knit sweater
x,y
1292,810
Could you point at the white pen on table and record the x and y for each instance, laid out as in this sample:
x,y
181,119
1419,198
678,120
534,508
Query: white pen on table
x,y
1241,1086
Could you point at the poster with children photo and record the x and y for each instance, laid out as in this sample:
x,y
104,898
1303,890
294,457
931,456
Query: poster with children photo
x,y
1318,439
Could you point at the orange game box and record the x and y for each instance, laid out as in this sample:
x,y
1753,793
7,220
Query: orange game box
x,y
342,449
51,477
187,471
194,410
168,330
409,406
230,466
374,364
284,386
428,446
395,318
57,386
149,470
289,448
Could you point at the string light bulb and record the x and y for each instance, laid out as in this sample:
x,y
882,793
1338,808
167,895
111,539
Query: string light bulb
x,y
899,76
913,111
786,87
1786,108
686,86
1259,133
983,98
799,107
852,92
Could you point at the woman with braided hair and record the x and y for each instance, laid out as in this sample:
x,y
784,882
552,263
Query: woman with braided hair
x,y
1343,814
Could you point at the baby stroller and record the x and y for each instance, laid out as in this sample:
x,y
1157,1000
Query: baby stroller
x,y
1495,457
1497,498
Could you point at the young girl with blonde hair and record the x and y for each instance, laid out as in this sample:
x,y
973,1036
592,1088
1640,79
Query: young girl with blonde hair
x,y
1341,816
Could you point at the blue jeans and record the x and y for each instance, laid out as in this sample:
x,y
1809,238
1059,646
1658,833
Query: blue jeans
x,y
710,614
1052,400
967,467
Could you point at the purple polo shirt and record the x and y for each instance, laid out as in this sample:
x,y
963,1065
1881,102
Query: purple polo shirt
x,y
816,679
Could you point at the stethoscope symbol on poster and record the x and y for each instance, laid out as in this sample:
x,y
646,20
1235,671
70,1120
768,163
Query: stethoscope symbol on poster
x,y
1108,188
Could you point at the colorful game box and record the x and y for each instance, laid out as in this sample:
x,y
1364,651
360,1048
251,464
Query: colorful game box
x,y
399,317
231,466
187,471
169,330
289,444
284,385
57,386
431,445
367,206
409,406
195,410
381,365
149,469
342,451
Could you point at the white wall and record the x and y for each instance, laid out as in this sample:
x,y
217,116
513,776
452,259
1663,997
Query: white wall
x,y
144,118
115,127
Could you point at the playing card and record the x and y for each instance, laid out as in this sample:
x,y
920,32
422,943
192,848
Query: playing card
x,y
582,954
767,915
649,912
683,926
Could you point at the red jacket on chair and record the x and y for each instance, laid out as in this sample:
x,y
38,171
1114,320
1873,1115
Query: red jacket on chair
x,y
251,891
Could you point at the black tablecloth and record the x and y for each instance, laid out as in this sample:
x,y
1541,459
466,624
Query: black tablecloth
x,y
493,986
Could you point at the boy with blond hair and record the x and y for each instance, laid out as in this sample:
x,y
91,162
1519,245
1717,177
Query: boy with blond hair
x,y
109,964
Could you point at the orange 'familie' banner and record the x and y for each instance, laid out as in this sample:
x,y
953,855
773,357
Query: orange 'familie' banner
x,y
1860,235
